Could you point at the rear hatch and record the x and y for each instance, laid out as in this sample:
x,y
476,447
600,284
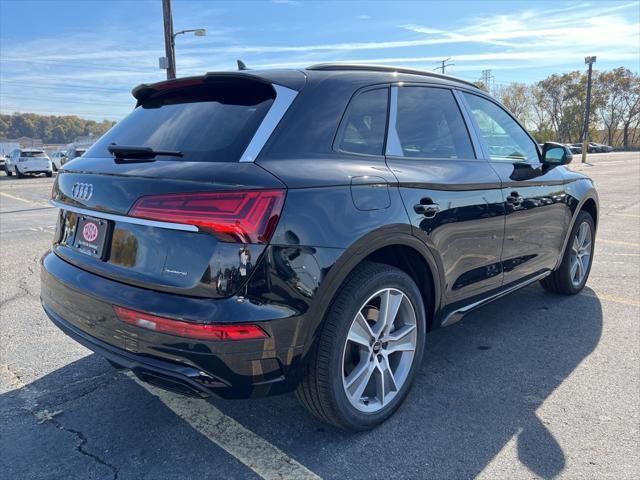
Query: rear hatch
x,y
193,219
33,160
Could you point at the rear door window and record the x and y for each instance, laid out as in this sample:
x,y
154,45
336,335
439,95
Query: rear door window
x,y
207,123
429,125
363,129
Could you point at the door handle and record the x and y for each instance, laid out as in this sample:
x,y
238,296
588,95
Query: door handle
x,y
429,210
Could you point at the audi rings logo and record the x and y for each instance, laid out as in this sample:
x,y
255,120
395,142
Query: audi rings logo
x,y
82,191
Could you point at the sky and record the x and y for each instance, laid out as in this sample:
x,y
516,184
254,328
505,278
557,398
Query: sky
x,y
84,57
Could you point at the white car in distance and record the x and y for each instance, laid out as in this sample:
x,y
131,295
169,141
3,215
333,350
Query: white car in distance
x,y
29,161
58,159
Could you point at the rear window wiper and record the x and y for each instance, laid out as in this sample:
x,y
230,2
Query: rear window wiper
x,y
135,153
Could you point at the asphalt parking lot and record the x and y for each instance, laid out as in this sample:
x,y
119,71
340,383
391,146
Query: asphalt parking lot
x,y
534,385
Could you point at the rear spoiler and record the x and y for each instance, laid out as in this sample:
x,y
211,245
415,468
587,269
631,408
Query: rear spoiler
x,y
291,79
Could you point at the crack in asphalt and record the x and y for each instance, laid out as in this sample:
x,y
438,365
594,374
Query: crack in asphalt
x,y
47,416
22,285
80,447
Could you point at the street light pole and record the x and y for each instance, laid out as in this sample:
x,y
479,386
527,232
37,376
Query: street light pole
x,y
585,129
169,40
168,62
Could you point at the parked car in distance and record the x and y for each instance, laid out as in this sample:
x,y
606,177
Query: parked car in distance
x,y
3,163
28,161
575,147
73,152
600,147
250,233
58,159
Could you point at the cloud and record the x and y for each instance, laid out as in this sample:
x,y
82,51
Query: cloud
x,y
94,72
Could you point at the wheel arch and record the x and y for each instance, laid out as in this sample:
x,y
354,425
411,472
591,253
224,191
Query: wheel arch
x,y
395,247
590,206
588,203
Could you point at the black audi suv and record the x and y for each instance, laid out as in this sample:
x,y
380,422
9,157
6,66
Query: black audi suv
x,y
249,233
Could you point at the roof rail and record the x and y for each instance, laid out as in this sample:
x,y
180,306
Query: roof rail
x,y
386,68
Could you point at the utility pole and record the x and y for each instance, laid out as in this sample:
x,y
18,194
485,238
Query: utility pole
x,y
168,39
443,65
585,129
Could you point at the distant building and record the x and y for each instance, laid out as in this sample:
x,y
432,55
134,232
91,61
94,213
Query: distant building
x,y
24,142
84,140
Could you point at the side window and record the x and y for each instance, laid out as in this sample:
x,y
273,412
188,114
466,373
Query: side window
x,y
364,127
504,137
429,124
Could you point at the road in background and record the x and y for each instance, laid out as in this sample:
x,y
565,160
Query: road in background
x,y
533,385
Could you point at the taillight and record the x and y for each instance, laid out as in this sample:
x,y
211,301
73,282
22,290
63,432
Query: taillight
x,y
190,330
247,216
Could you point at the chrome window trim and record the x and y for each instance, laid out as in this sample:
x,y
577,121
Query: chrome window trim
x,y
284,98
123,218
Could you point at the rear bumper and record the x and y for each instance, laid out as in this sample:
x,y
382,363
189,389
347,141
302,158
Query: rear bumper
x,y
81,305
178,378
34,167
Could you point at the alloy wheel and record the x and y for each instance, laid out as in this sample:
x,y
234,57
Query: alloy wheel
x,y
379,350
580,254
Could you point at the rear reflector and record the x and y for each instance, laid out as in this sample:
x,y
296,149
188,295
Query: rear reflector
x,y
246,216
190,330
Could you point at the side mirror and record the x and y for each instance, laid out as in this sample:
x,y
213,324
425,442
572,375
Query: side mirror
x,y
556,154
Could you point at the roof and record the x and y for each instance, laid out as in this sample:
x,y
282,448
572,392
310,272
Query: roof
x,y
385,69
296,79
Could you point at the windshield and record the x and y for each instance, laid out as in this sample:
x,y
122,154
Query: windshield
x,y
205,123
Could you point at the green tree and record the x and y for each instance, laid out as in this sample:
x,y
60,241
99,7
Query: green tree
x,y
52,128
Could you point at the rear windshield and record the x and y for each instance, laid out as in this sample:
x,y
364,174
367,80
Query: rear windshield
x,y
32,154
207,123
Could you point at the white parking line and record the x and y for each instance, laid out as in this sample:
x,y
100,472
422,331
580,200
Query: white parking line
x,y
254,451
617,242
20,199
612,298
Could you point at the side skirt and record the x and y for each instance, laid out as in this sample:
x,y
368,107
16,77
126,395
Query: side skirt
x,y
457,315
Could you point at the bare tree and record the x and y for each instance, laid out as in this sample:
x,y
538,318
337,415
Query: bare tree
x,y
611,88
554,108
539,112
631,107
562,97
516,98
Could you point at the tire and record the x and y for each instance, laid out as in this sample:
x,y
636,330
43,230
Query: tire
x,y
323,389
49,174
563,280
19,174
9,173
